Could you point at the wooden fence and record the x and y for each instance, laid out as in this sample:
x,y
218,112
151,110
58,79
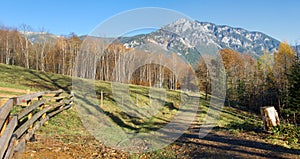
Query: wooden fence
x,y
22,116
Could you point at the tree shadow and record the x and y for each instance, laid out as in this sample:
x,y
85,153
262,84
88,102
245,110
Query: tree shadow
x,y
242,147
171,106
119,121
55,83
245,127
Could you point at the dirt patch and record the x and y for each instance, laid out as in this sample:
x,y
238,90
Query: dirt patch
x,y
13,90
221,144
217,144
59,147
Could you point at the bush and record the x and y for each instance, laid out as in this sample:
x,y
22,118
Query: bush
x,y
288,133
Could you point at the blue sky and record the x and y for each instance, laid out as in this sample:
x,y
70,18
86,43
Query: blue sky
x,y
277,18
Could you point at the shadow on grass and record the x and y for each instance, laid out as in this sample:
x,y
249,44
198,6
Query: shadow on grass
x,y
171,106
246,127
231,145
45,81
124,120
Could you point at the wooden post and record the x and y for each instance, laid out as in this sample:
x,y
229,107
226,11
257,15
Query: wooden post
x,y
122,101
27,91
29,116
44,115
71,98
270,117
295,121
136,100
41,108
101,102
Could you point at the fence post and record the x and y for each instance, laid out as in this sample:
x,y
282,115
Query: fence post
x,y
136,100
101,102
41,108
29,116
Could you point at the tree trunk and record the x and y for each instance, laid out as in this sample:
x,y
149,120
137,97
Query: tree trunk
x,y
7,51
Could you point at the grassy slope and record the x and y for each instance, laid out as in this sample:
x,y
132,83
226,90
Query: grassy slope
x,y
68,123
21,78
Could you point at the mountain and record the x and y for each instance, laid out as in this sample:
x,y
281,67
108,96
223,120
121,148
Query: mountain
x,y
191,38
297,48
224,36
36,37
165,41
183,35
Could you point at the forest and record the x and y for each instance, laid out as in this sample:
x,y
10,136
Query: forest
x,y
270,80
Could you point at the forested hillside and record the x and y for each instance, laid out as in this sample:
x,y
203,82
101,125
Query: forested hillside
x,y
271,79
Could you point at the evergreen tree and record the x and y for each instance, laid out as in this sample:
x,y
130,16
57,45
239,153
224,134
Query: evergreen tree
x,y
293,109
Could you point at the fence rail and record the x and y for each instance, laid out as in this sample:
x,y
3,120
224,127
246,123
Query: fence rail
x,y
17,126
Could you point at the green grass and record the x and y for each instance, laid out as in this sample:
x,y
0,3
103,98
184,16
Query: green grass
x,y
139,97
68,123
10,93
65,123
21,78
287,135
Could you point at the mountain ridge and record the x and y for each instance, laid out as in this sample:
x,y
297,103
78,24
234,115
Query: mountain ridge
x,y
183,35
225,36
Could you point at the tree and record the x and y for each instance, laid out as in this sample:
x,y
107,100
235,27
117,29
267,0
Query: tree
x,y
293,106
283,60
247,87
61,52
233,64
74,45
42,46
203,76
26,29
267,86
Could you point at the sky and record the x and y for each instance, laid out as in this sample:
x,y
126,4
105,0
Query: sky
x,y
278,18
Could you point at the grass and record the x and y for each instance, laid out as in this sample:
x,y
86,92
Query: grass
x,y
65,123
21,78
68,123
10,93
287,135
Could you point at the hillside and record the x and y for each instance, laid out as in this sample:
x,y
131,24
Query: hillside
x,y
237,134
